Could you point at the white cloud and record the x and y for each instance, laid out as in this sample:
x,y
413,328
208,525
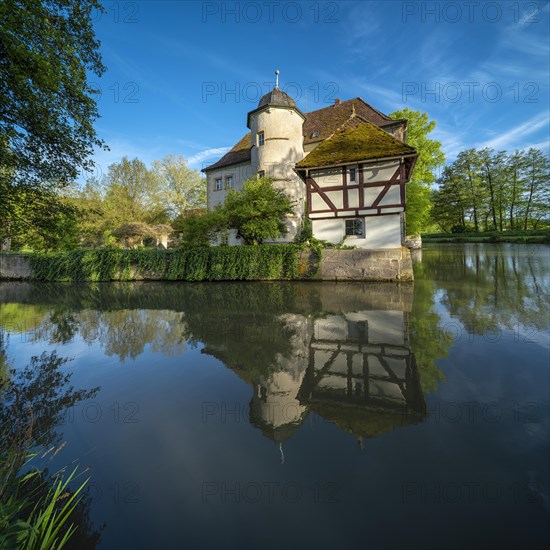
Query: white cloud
x,y
512,137
197,158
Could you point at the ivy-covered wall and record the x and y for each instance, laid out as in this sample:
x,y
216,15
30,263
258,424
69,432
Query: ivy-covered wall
x,y
222,263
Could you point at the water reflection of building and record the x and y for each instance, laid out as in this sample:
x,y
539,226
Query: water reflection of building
x,y
353,368
362,375
275,407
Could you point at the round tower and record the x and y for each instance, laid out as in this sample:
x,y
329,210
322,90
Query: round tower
x,y
277,145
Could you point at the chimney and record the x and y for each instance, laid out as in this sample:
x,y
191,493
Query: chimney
x,y
337,101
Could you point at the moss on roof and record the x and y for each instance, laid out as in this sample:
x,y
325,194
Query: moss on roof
x,y
356,140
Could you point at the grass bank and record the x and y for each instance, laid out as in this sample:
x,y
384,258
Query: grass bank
x,y
540,236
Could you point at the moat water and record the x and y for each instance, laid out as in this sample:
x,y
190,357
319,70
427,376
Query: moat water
x,y
299,415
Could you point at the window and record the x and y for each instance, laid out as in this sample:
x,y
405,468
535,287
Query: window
x,y
229,181
261,174
352,174
355,228
261,139
219,185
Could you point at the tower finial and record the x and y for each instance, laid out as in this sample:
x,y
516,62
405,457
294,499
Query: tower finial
x,y
276,79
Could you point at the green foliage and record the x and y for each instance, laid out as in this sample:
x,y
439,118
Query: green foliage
x,y
484,190
257,212
42,523
223,263
518,236
179,188
36,512
430,157
47,52
201,229
128,193
41,219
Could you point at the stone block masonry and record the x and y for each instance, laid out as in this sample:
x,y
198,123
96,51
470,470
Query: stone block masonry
x,y
390,264
15,266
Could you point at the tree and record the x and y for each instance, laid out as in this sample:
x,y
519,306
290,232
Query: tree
x,y
129,189
39,219
179,188
430,156
494,177
515,167
537,172
497,191
257,212
47,110
449,202
468,168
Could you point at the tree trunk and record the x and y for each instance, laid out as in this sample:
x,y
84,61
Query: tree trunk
x,y
531,190
492,193
5,240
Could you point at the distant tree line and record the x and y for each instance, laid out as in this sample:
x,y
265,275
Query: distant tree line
x,y
130,204
484,190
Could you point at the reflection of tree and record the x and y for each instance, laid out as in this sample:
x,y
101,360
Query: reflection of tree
x,y
125,333
4,368
492,286
17,317
33,402
429,341
262,331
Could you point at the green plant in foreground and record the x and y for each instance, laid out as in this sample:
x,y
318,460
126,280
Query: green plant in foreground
x,y
38,517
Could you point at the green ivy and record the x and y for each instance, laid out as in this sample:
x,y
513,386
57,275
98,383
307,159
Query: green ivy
x,y
221,263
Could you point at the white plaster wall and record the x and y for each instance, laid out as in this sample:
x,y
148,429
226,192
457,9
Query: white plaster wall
x,y
283,146
353,198
393,196
337,198
380,232
327,177
240,172
379,172
328,230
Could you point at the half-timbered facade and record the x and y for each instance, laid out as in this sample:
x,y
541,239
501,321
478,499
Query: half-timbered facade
x,y
355,186
345,166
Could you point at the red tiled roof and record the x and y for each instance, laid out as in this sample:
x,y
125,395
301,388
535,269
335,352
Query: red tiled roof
x,y
325,121
240,152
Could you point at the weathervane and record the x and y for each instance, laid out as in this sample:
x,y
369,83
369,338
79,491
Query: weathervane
x,y
276,79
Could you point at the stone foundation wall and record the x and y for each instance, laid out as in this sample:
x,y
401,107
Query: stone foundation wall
x,y
392,264
385,264
15,266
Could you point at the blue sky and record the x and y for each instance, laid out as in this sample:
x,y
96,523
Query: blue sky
x,y
181,76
